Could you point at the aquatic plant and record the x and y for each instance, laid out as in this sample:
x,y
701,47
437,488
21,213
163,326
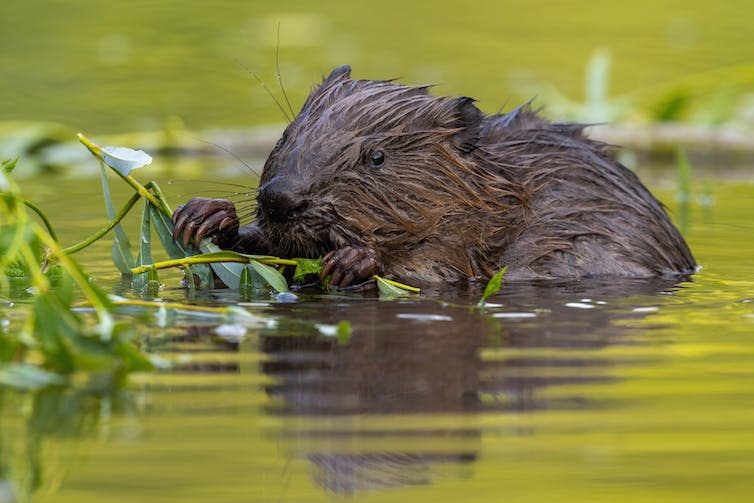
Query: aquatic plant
x,y
714,97
236,270
56,339
493,286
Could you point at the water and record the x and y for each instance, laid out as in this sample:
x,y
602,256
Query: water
x,y
625,391
587,391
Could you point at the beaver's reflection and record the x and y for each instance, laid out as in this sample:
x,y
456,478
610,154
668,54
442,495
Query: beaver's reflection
x,y
416,359
386,367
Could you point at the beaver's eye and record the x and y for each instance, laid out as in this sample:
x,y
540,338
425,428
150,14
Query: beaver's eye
x,y
377,159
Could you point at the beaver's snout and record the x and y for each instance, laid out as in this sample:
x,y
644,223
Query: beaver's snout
x,y
280,200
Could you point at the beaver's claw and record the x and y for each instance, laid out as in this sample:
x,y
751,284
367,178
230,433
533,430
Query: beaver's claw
x,y
202,217
351,267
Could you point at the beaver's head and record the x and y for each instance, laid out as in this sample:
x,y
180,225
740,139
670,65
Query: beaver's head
x,y
369,163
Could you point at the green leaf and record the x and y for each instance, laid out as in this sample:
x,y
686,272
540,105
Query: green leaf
x,y
493,286
246,283
124,160
121,249
228,272
140,281
307,266
7,167
271,275
390,288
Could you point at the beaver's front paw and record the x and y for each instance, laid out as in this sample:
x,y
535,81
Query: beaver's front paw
x,y
202,217
351,267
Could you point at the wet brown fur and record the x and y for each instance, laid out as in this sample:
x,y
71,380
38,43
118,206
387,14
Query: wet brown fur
x,y
460,194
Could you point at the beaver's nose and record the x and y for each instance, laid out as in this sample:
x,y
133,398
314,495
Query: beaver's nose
x,y
280,201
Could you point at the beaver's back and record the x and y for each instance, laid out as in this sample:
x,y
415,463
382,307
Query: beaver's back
x,y
585,213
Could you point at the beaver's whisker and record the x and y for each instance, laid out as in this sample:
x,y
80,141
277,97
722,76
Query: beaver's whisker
x,y
288,118
280,78
213,182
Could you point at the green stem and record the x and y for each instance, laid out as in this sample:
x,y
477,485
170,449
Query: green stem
x,y
165,207
96,150
170,305
81,280
36,209
94,237
202,259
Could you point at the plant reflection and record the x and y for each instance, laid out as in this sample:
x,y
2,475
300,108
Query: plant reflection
x,y
28,463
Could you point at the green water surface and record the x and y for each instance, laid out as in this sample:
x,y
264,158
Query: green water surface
x,y
124,66
628,391
625,391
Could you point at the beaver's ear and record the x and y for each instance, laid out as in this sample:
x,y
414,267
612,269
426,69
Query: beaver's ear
x,y
466,119
342,72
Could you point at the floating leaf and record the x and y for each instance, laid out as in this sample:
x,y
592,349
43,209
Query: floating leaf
x,y
493,286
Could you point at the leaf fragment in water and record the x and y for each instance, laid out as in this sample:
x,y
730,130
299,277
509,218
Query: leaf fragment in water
x,y
493,286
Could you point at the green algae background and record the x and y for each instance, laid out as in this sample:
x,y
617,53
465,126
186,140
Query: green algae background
x,y
124,66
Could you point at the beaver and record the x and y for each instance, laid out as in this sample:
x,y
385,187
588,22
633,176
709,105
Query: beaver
x,y
383,178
